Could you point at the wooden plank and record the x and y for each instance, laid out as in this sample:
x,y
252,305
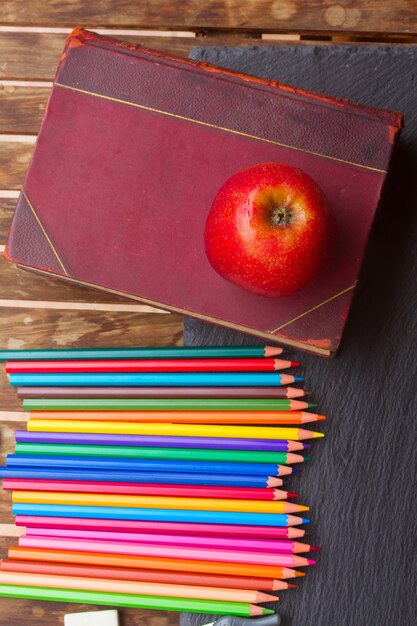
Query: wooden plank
x,y
34,56
20,285
14,161
31,612
57,328
22,108
284,16
7,207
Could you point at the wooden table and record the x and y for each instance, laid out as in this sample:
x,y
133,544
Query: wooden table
x,y
38,312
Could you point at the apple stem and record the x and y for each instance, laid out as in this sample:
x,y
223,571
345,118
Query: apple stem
x,y
281,216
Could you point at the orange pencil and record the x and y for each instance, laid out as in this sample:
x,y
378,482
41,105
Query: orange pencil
x,y
178,565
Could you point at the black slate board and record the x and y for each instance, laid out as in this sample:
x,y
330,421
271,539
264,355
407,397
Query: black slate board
x,y
361,483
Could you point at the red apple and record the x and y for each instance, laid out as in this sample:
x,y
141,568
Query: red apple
x,y
270,230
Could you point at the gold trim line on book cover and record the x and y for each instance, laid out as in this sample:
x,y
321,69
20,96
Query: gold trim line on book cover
x,y
294,319
228,130
258,333
44,232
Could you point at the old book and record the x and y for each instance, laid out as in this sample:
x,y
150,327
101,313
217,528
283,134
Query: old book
x,y
132,150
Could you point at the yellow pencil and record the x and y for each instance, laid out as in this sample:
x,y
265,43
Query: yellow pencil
x,y
183,430
156,502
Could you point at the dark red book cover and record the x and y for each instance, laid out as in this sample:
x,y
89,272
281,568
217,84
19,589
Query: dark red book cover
x,y
132,150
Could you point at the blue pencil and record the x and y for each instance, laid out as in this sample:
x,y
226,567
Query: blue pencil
x,y
158,515
215,443
185,379
170,478
150,465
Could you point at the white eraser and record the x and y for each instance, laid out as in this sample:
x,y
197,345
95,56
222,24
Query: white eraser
x,y
92,618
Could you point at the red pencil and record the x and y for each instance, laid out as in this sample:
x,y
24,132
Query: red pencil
x,y
149,365
120,573
81,486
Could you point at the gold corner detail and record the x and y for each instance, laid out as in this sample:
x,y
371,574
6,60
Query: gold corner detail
x,y
45,233
294,319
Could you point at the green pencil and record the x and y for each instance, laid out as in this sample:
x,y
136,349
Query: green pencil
x,y
185,454
189,605
185,352
164,404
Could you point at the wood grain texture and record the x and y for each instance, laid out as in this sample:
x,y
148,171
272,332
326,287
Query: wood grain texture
x,y
43,328
30,612
7,207
14,161
18,284
35,55
281,15
22,108
360,485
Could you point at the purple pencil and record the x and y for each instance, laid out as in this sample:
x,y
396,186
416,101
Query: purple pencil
x,y
214,443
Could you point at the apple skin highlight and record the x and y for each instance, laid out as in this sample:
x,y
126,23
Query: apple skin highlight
x,y
270,230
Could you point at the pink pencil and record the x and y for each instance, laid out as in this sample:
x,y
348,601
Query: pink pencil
x,y
200,554
183,528
262,545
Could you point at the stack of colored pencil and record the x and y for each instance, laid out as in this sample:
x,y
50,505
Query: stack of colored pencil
x,y
154,478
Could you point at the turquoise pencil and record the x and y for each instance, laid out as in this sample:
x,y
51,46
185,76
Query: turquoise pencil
x,y
162,379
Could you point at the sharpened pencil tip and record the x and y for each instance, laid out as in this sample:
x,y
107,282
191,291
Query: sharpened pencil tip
x,y
311,561
291,586
298,379
314,548
317,435
290,494
305,520
298,574
311,405
272,351
295,364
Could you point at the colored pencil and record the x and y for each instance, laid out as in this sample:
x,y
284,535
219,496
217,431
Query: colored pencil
x,y
190,605
129,526
148,379
165,564
222,543
81,486
182,552
213,443
165,404
148,365
185,417
132,587
156,502
161,392
184,430
150,465
230,480
185,454
120,573
159,515
178,352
